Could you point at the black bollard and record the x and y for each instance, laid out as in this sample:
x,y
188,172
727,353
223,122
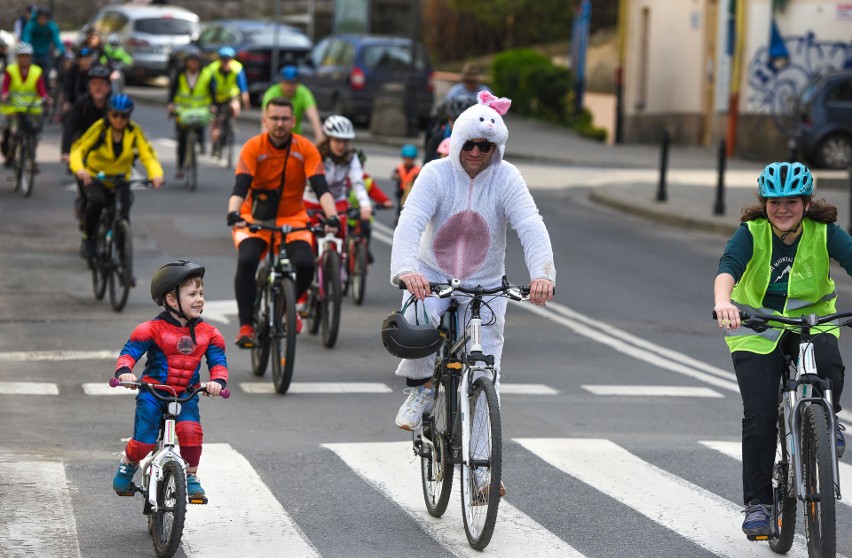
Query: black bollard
x,y
719,206
664,163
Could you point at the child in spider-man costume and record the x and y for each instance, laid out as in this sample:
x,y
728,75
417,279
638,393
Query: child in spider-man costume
x,y
174,343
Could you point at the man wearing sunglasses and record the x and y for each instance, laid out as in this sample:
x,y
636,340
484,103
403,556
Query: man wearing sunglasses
x,y
453,226
109,146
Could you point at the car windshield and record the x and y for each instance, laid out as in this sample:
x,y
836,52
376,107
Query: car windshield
x,y
807,93
286,37
391,57
165,26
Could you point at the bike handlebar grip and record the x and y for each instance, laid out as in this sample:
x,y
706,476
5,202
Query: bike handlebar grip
x,y
715,315
225,393
114,382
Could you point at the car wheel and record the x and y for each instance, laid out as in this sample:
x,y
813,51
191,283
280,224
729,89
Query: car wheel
x,y
835,152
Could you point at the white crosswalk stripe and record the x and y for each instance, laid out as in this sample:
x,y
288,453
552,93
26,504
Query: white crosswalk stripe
x,y
28,388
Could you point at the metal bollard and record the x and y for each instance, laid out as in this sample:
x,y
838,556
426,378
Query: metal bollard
x,y
664,163
719,206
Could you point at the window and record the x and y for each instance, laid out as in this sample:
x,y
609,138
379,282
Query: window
x,y
287,37
318,54
392,57
209,36
165,26
841,92
111,22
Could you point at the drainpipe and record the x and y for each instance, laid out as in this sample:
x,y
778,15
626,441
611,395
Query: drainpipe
x,y
736,74
623,17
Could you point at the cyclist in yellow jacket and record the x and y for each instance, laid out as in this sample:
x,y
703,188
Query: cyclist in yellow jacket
x,y
230,85
23,85
109,147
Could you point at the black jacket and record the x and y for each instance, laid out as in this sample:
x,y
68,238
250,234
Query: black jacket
x,y
80,118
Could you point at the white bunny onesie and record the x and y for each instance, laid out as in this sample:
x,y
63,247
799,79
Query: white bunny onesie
x,y
454,226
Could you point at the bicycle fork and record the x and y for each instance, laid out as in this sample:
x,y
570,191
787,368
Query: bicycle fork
x,y
152,466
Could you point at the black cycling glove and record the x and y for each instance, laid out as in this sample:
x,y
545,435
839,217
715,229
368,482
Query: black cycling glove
x,y
234,218
332,222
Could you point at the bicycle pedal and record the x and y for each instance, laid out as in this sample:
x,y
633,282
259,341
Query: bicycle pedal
x,y
197,500
755,538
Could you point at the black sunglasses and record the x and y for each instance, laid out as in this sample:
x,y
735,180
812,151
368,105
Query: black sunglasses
x,y
122,115
484,146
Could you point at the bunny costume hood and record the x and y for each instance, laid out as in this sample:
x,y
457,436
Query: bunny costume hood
x,y
454,226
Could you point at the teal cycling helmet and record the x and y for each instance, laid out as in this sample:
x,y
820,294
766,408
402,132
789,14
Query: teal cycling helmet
x,y
408,150
782,180
227,52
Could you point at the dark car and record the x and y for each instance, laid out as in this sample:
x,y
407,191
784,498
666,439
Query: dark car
x,y
254,42
347,72
824,129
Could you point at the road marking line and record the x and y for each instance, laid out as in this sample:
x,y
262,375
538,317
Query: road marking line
x,y
527,389
28,388
38,517
388,466
103,388
239,519
652,391
29,356
735,451
318,387
687,509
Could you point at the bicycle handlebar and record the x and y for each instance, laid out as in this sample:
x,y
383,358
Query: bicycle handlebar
x,y
805,320
283,229
443,290
120,179
152,389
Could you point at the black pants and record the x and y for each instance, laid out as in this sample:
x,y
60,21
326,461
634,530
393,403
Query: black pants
x,y
248,258
759,377
97,198
182,135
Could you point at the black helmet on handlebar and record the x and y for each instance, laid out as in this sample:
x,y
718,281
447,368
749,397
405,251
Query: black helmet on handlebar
x,y
170,276
405,340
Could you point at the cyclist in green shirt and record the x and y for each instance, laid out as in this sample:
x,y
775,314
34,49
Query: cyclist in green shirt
x,y
301,97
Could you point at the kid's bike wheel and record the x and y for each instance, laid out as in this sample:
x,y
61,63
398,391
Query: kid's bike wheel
x,y
121,265
260,349
100,262
481,476
330,306
358,275
817,463
284,336
191,162
166,525
784,495
436,468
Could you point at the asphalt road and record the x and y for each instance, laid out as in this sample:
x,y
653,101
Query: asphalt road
x,y
620,412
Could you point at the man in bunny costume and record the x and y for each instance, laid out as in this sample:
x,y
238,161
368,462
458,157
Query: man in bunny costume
x,y
454,227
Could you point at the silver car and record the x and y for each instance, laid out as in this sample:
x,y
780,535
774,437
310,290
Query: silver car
x,y
148,33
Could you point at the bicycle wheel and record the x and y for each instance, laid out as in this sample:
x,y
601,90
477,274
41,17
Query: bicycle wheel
x,y
284,336
20,160
358,275
121,265
784,505
817,463
166,525
314,304
260,349
228,143
28,165
436,468
481,476
100,271
330,306
191,162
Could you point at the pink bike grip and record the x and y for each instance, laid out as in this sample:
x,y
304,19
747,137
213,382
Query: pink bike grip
x,y
114,382
225,393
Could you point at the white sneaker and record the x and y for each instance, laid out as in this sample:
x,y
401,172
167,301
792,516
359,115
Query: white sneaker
x,y
482,480
419,402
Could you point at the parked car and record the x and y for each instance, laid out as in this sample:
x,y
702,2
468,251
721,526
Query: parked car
x,y
148,33
254,42
824,129
347,72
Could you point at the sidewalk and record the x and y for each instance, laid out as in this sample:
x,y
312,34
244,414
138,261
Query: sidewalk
x,y
623,177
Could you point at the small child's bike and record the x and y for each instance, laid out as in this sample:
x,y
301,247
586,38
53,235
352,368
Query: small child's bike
x,y
164,472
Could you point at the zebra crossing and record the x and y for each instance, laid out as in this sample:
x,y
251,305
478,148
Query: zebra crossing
x,y
265,528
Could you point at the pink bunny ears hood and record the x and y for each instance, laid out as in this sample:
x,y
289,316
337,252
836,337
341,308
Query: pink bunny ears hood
x,y
482,120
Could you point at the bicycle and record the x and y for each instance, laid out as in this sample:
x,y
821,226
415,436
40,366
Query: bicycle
x,y
325,293
464,426
225,143
356,258
112,263
195,120
164,472
23,140
275,311
806,458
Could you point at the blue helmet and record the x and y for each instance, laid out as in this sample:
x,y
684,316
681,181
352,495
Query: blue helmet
x,y
227,52
408,150
120,103
782,180
289,73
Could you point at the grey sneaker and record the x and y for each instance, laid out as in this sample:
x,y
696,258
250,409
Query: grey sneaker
x,y
839,440
756,522
419,402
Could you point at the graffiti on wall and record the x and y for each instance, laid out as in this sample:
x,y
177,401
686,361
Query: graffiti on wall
x,y
773,90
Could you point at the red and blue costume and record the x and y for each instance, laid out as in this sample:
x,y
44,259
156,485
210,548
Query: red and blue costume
x,y
174,354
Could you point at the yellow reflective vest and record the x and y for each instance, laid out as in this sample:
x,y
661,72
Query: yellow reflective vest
x,y
22,93
226,84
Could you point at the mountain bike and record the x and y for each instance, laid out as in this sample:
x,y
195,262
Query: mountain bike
x,y
23,139
356,258
224,146
464,426
195,120
806,456
164,471
325,294
112,263
275,310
